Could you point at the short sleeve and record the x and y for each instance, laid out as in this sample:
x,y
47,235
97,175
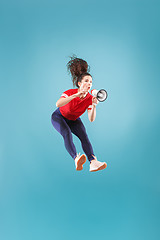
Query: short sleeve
x,y
66,94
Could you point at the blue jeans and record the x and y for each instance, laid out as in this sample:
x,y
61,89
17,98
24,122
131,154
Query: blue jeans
x,y
66,127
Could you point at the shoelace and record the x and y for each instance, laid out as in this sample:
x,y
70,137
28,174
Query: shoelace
x,y
78,155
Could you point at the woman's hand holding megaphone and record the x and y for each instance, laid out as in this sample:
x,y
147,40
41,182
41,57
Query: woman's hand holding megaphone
x,y
94,101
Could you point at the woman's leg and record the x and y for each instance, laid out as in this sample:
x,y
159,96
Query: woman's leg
x,y
61,126
78,128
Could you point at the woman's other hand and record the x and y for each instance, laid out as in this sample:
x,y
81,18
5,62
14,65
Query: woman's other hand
x,y
94,101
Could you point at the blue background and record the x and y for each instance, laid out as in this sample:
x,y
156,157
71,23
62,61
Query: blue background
x,y
41,194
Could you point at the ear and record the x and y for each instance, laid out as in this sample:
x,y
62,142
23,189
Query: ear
x,y
79,84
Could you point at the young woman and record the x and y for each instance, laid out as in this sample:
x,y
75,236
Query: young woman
x,y
71,105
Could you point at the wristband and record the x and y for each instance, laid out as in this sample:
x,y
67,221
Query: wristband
x,y
95,104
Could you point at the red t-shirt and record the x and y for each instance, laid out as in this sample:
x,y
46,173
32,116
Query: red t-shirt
x,y
76,107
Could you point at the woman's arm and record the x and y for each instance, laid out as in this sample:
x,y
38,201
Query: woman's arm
x,y
63,101
92,112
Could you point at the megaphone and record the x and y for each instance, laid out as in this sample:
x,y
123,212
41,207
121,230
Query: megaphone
x,y
101,95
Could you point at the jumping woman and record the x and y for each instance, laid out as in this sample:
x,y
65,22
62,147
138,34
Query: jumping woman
x,y
70,106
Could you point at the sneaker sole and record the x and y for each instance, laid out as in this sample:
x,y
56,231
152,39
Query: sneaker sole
x,y
80,162
100,168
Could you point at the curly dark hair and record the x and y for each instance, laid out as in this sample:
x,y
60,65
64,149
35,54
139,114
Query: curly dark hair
x,y
78,68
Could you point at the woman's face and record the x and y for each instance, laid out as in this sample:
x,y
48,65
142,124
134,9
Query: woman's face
x,y
86,83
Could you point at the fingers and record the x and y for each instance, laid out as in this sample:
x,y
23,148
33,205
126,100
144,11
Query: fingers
x,y
94,100
82,91
81,95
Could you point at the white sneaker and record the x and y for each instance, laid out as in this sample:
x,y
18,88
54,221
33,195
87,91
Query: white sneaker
x,y
79,161
95,165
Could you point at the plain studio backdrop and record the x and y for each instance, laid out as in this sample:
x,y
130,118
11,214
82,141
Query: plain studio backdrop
x,y
42,196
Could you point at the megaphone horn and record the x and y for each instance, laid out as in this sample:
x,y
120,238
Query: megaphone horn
x,y
101,95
